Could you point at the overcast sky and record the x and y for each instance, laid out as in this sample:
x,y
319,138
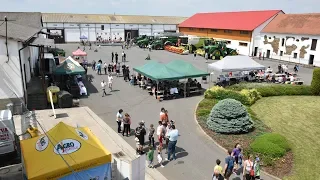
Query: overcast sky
x,y
157,7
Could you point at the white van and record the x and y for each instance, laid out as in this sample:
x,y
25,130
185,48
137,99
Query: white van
x,y
7,133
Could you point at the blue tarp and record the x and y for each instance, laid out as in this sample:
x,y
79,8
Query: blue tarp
x,y
102,172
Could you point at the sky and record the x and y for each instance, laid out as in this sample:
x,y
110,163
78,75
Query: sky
x,y
157,7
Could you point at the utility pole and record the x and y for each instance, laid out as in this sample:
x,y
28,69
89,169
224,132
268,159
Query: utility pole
x,y
7,47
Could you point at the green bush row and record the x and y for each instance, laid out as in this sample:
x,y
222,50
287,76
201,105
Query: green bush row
x,y
245,96
315,83
266,89
270,145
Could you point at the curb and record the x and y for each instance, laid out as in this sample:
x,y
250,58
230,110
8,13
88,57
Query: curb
x,y
217,144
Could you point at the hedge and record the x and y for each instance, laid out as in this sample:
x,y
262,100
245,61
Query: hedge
x,y
245,96
270,145
315,83
266,89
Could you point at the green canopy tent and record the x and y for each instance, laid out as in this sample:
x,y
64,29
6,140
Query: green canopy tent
x,y
146,66
69,67
186,69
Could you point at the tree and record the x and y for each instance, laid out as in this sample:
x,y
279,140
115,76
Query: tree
x,y
229,116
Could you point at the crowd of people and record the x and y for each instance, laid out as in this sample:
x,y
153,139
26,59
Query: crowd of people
x,y
166,135
234,162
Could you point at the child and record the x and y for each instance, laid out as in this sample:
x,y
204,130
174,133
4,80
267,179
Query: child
x,y
150,157
151,135
160,157
240,157
256,167
217,171
138,147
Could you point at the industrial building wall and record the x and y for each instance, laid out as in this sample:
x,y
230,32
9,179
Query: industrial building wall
x,y
73,32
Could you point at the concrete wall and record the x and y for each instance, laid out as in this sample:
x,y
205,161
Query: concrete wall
x,y
293,48
92,31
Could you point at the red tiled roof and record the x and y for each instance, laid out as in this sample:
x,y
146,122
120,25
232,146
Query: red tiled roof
x,y
304,24
242,20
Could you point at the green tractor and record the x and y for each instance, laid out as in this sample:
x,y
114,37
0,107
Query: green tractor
x,y
196,43
139,38
164,41
143,43
219,50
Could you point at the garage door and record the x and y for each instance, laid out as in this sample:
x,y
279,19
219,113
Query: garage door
x,y
72,35
145,32
92,34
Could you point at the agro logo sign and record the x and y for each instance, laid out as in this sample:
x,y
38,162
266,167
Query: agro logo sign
x,y
67,146
42,143
82,134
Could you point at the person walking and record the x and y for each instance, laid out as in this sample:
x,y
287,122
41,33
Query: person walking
x,y
94,65
112,56
140,133
160,133
217,171
168,130
105,67
235,154
119,119
256,167
99,68
173,137
206,56
103,86
122,56
126,124
116,57
110,79
194,56
248,169
159,157
150,157
118,69
229,164
151,136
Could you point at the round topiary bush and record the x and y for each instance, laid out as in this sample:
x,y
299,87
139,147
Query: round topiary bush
x,y
315,83
271,145
229,116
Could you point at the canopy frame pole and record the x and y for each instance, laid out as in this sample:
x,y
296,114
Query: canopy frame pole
x,y
157,90
185,89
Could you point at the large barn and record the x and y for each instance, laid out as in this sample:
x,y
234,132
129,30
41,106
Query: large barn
x,y
66,28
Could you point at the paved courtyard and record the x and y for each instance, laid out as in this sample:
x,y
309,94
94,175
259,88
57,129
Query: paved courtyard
x,y
196,152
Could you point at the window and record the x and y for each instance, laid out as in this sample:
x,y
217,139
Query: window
x,y
191,29
295,55
102,27
244,32
228,42
227,31
282,42
213,30
243,44
314,44
281,53
201,29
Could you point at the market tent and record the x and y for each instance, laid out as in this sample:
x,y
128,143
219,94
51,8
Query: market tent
x,y
158,71
63,149
146,66
79,52
83,37
186,69
69,66
236,63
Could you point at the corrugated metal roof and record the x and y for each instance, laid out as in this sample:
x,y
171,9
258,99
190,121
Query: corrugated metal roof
x,y
31,19
18,32
241,20
108,18
304,24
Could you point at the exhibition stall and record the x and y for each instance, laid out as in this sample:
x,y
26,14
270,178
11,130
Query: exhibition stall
x,y
65,153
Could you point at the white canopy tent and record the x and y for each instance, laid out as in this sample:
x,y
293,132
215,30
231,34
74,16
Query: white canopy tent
x,y
235,63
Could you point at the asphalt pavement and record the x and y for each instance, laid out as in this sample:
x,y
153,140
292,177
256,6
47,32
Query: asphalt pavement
x,y
196,152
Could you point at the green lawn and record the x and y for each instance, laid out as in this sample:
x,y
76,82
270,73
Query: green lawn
x,y
298,119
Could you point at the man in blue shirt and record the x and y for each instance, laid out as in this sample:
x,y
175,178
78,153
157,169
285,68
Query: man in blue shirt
x,y
173,137
229,164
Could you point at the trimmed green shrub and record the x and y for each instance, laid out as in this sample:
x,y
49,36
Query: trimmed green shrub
x,y
245,96
268,89
229,116
270,145
315,83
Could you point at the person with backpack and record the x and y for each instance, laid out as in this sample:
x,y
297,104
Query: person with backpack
x,y
140,133
229,165
248,169
217,171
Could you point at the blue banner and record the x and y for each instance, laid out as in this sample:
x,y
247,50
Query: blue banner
x,y
102,172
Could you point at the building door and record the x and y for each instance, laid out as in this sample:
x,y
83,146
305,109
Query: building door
x,y
255,51
268,54
311,58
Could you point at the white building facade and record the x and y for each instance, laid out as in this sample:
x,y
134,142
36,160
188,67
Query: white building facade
x,y
302,49
106,27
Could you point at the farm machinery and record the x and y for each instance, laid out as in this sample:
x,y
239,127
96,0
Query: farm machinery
x,y
218,50
142,43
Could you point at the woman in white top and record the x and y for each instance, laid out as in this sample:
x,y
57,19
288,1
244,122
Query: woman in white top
x,y
119,119
248,170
